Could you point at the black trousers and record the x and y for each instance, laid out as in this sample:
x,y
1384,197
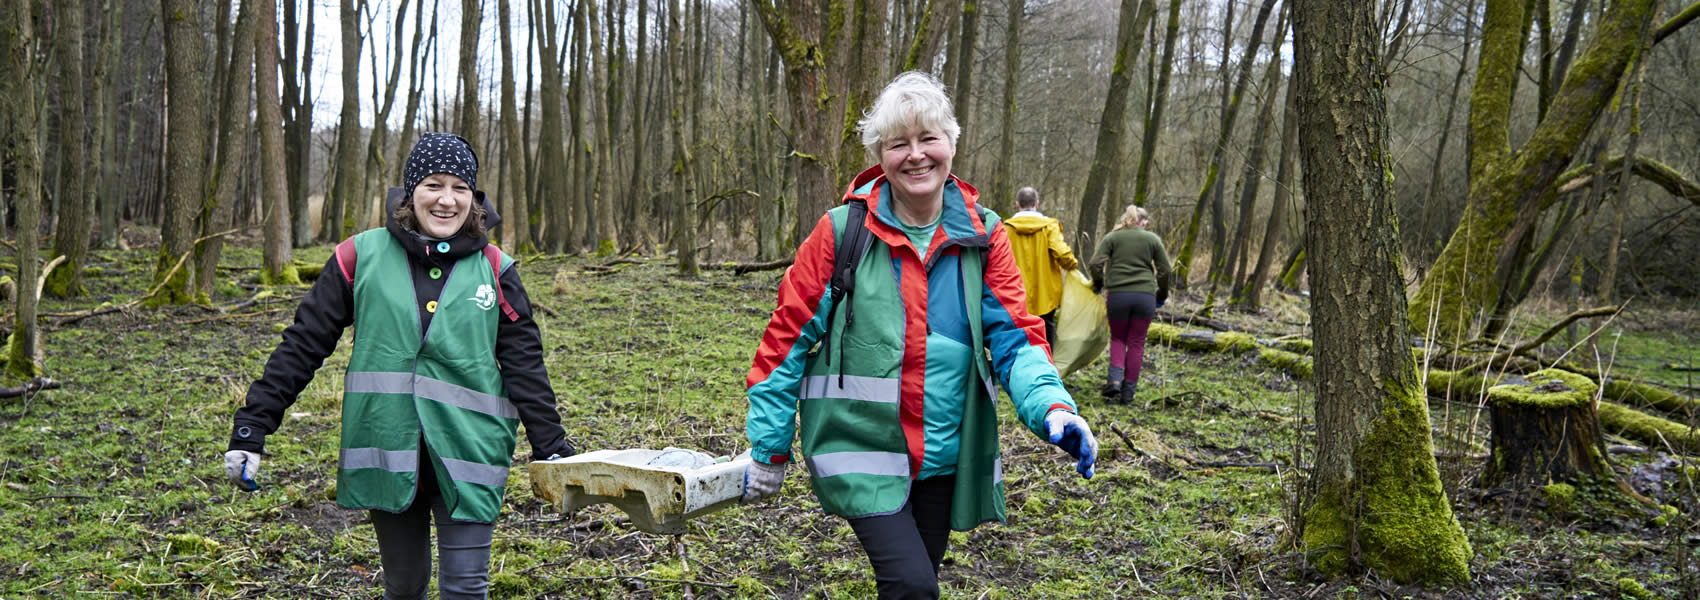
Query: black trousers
x,y
906,548
1050,320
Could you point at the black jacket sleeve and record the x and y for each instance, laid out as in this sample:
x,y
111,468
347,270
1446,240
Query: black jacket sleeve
x,y
319,321
519,349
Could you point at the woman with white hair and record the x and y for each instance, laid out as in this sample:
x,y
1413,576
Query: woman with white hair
x,y
1133,267
892,391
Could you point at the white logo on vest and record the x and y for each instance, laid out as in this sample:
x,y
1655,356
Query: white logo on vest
x,y
485,298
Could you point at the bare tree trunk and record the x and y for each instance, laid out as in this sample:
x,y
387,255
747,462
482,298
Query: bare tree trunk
x,y
108,201
1212,174
607,80
635,190
962,63
377,172
233,134
347,186
277,264
185,147
1252,175
1253,296
21,360
552,162
71,235
471,17
513,158
684,226
580,216
1433,191
1375,499
298,118
1159,97
1106,158
1003,195
867,51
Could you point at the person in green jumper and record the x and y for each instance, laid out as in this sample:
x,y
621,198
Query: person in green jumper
x,y
890,385
1132,265
446,365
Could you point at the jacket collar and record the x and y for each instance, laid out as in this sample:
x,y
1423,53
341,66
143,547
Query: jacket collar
x,y
959,221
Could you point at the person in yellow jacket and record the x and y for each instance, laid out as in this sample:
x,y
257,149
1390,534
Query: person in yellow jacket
x,y
1042,256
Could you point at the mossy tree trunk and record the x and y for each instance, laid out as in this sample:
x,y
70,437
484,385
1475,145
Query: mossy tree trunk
x,y
810,37
19,98
867,57
1375,499
233,134
1507,187
186,144
1106,158
71,235
1544,431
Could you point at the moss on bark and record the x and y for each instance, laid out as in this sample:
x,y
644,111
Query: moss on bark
x,y
1406,530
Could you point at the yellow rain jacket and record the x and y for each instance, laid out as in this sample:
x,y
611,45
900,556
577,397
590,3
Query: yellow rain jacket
x,y
1042,255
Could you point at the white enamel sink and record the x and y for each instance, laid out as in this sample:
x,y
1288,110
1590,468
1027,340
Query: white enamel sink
x,y
659,489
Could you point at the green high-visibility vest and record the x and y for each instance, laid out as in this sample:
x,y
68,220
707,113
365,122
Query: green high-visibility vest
x,y
444,385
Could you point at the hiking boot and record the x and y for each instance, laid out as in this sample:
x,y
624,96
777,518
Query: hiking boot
x,y
1128,388
1113,383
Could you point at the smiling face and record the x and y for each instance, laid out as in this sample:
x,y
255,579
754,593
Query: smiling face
x,y
917,163
442,203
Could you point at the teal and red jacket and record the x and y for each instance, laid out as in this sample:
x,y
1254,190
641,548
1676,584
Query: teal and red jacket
x,y
896,385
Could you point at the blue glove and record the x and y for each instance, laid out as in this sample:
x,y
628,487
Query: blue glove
x,y
1070,432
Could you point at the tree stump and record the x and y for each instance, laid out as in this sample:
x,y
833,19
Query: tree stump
x,y
1544,431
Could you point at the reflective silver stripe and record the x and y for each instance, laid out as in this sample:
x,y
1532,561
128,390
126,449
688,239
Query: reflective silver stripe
x,y
372,382
997,470
397,461
457,396
471,472
868,389
859,463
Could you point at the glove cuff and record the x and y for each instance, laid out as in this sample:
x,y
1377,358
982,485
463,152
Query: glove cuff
x,y
248,438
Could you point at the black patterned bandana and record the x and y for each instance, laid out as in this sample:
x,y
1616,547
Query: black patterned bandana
x,y
440,153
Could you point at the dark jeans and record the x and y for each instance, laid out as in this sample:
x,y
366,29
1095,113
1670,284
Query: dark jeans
x,y
1050,320
1130,315
404,545
905,548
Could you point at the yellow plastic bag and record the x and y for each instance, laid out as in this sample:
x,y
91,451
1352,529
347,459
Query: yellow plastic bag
x,y
1083,332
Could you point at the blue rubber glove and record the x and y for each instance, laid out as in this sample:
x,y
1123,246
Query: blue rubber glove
x,y
243,467
1070,432
762,480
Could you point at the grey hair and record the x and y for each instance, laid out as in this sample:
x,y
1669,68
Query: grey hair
x,y
912,99
1133,215
1026,198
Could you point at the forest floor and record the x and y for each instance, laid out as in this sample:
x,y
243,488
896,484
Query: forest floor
x,y
112,486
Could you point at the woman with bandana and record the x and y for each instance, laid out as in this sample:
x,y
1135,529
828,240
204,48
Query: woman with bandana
x,y
438,381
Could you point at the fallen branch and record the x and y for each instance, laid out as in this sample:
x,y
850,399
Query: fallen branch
x,y
742,268
1169,317
1525,347
151,293
30,387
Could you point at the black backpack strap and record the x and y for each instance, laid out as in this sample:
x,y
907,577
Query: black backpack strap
x,y
852,246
